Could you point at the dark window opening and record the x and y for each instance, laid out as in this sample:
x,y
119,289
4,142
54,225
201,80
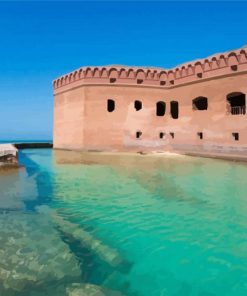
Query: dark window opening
x,y
234,68
113,80
200,135
138,105
236,103
172,135
200,103
174,109
236,136
160,108
162,135
139,81
110,105
199,75
172,82
138,135
162,83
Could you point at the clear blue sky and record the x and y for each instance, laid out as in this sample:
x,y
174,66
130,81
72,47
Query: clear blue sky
x,y
41,41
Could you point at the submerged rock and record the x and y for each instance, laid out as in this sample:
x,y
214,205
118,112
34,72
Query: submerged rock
x,y
32,254
90,290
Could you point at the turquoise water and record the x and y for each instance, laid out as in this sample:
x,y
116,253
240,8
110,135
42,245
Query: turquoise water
x,y
134,225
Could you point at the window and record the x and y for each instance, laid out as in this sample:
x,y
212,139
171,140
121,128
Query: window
x,y
235,136
200,103
200,135
199,75
174,109
138,105
172,135
139,81
138,134
234,68
160,108
110,105
162,83
162,135
113,80
236,103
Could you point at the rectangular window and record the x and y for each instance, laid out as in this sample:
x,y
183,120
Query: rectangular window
x,y
113,80
162,135
236,136
138,134
200,135
172,135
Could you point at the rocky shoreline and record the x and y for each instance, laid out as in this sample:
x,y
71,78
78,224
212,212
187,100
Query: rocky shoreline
x,y
8,156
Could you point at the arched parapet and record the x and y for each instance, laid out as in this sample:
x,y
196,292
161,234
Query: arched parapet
x,y
163,76
183,71
149,75
211,67
177,73
131,74
71,77
171,77
104,73
214,63
113,73
96,72
88,73
76,75
191,70
81,73
198,69
122,73
222,61
242,56
140,74
206,66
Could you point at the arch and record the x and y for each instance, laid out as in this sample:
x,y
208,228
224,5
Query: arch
x,y
81,74
110,105
76,75
222,61
233,61
178,73
96,73
243,56
138,105
206,65
190,70
174,109
200,103
131,74
71,77
236,103
183,72
198,69
104,73
214,64
66,79
149,74
62,81
122,73
140,74
160,108
88,73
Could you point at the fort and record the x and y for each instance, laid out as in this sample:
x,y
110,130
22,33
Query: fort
x,y
198,107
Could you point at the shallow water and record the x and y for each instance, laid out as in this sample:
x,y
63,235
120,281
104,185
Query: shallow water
x,y
137,225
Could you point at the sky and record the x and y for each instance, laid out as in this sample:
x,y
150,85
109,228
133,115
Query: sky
x,y
40,41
